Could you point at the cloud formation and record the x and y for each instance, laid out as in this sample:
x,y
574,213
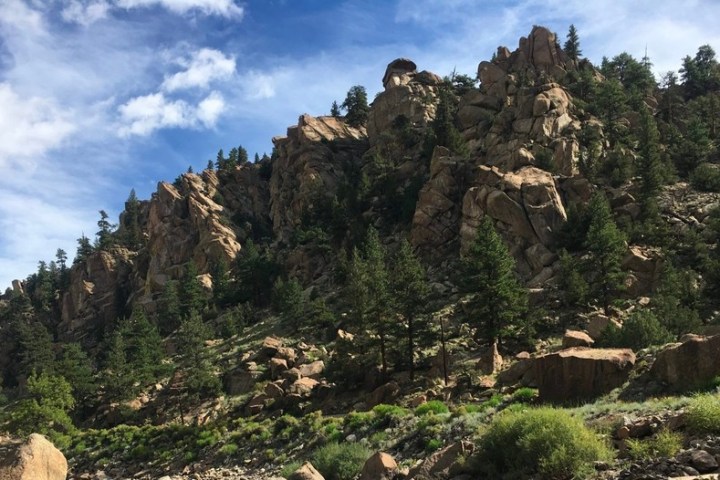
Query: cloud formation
x,y
87,12
205,66
29,127
145,114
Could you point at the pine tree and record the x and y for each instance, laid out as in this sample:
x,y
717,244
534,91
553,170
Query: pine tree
x,y
649,166
169,313
242,155
75,367
104,237
36,348
210,166
192,297
379,292
444,130
220,161
356,106
143,346
410,290
499,301
132,237
335,109
573,286
232,161
256,274
289,302
117,375
46,408
572,44
221,285
606,245
199,380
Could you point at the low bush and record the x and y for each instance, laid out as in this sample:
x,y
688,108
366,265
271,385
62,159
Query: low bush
x,y
289,469
703,413
545,443
664,444
640,330
524,395
433,406
706,177
340,461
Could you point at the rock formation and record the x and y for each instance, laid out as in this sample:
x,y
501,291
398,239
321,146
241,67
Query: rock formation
x,y
34,459
581,373
687,365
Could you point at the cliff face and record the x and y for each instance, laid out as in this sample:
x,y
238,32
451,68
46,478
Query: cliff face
x,y
521,129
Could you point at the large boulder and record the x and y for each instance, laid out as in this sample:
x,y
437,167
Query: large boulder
x,y
306,472
581,373
690,364
34,459
441,463
380,466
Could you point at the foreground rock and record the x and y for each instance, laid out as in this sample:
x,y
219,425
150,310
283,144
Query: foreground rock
x,y
306,472
689,364
581,373
35,459
380,466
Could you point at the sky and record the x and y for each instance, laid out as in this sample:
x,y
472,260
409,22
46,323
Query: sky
x,y
98,97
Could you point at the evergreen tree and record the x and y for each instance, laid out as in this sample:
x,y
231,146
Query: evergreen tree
x,y
609,105
210,165
335,109
46,408
143,346
192,297
443,126
499,301
572,44
104,237
221,284
693,149
35,348
117,375
410,290
242,155
232,161
75,367
255,275
289,301
220,162
169,313
356,106
257,158
379,292
676,301
199,379
700,74
572,284
606,246
132,237
649,166
84,249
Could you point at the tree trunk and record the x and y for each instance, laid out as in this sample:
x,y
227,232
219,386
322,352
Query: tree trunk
x,y
411,347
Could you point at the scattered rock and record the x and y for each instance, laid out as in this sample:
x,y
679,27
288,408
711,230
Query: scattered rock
x,y
380,466
440,463
689,364
574,338
306,472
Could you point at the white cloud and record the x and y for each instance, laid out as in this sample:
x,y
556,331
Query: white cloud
x,y
17,15
209,110
143,115
258,85
29,126
206,65
226,8
85,13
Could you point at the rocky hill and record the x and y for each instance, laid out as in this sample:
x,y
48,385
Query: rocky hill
x,y
249,315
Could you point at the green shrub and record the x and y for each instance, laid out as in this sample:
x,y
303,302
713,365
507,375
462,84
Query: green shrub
x,y
539,441
640,330
433,406
289,469
340,461
524,395
706,177
386,415
703,413
492,402
433,444
664,444
229,449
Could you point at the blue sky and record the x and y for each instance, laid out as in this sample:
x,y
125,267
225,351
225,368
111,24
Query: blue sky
x,y
101,96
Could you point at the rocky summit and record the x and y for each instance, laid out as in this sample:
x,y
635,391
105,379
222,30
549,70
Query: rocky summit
x,y
508,275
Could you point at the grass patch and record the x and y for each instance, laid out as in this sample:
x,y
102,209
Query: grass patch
x,y
433,406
